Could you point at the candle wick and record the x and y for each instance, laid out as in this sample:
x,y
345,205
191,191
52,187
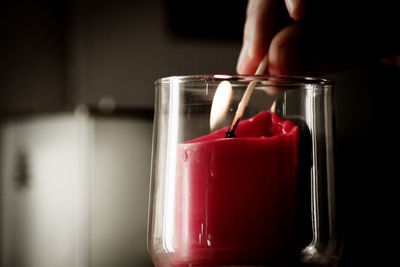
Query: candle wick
x,y
231,133
245,99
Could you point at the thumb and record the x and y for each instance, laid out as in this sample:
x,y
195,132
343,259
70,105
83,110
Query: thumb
x,y
294,51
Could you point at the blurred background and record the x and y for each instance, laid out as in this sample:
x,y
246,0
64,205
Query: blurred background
x,y
76,114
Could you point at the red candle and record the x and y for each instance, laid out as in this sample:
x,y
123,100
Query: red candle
x,y
235,197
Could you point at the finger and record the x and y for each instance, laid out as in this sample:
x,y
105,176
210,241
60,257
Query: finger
x,y
296,9
297,50
332,39
263,19
287,52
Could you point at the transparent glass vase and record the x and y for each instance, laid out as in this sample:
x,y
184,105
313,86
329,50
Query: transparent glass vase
x,y
265,196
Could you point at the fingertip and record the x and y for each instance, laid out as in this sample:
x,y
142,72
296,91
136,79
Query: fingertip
x,y
295,9
273,62
249,59
245,67
242,62
240,68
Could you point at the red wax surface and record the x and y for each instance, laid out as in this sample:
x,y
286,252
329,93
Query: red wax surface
x,y
235,197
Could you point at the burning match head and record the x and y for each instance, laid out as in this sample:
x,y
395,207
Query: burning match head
x,y
220,104
231,131
230,134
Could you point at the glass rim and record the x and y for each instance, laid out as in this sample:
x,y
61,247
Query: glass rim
x,y
274,79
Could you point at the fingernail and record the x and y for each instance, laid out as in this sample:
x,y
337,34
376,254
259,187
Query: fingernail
x,y
295,9
290,5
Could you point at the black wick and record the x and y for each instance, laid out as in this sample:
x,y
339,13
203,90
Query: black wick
x,y
231,132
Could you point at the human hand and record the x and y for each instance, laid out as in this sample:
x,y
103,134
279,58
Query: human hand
x,y
306,37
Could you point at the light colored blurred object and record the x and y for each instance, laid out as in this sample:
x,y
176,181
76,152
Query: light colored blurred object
x,y
121,171
44,191
74,190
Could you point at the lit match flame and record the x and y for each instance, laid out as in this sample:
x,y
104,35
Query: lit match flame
x,y
220,104
273,106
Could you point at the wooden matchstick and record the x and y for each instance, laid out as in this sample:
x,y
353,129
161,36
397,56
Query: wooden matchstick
x,y
245,99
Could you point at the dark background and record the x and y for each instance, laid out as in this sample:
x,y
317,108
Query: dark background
x,y
55,55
